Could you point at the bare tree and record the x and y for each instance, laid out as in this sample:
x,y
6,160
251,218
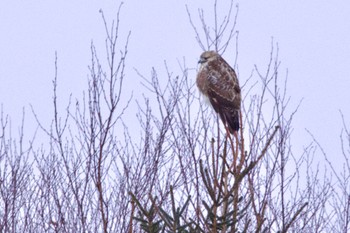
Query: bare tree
x,y
183,173
256,192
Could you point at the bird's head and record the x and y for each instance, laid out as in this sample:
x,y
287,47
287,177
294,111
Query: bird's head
x,y
207,56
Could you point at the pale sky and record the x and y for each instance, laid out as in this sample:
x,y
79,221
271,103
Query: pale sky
x,y
313,38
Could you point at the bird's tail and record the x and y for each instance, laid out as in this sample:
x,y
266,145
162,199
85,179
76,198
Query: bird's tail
x,y
231,118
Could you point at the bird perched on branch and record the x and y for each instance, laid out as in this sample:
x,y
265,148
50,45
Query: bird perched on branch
x,y
217,81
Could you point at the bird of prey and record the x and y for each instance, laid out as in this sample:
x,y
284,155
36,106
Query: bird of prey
x,y
217,81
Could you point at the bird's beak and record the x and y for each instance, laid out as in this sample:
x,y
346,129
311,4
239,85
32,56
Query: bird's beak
x,y
201,60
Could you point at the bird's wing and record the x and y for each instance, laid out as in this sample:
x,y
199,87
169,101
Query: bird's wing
x,y
226,102
224,87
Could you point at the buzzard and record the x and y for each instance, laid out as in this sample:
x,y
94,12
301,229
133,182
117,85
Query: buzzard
x,y
217,81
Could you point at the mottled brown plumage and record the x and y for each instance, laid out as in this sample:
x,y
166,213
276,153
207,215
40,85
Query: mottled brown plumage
x,y
218,82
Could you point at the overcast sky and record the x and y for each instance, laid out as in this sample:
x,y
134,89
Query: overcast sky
x,y
313,38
